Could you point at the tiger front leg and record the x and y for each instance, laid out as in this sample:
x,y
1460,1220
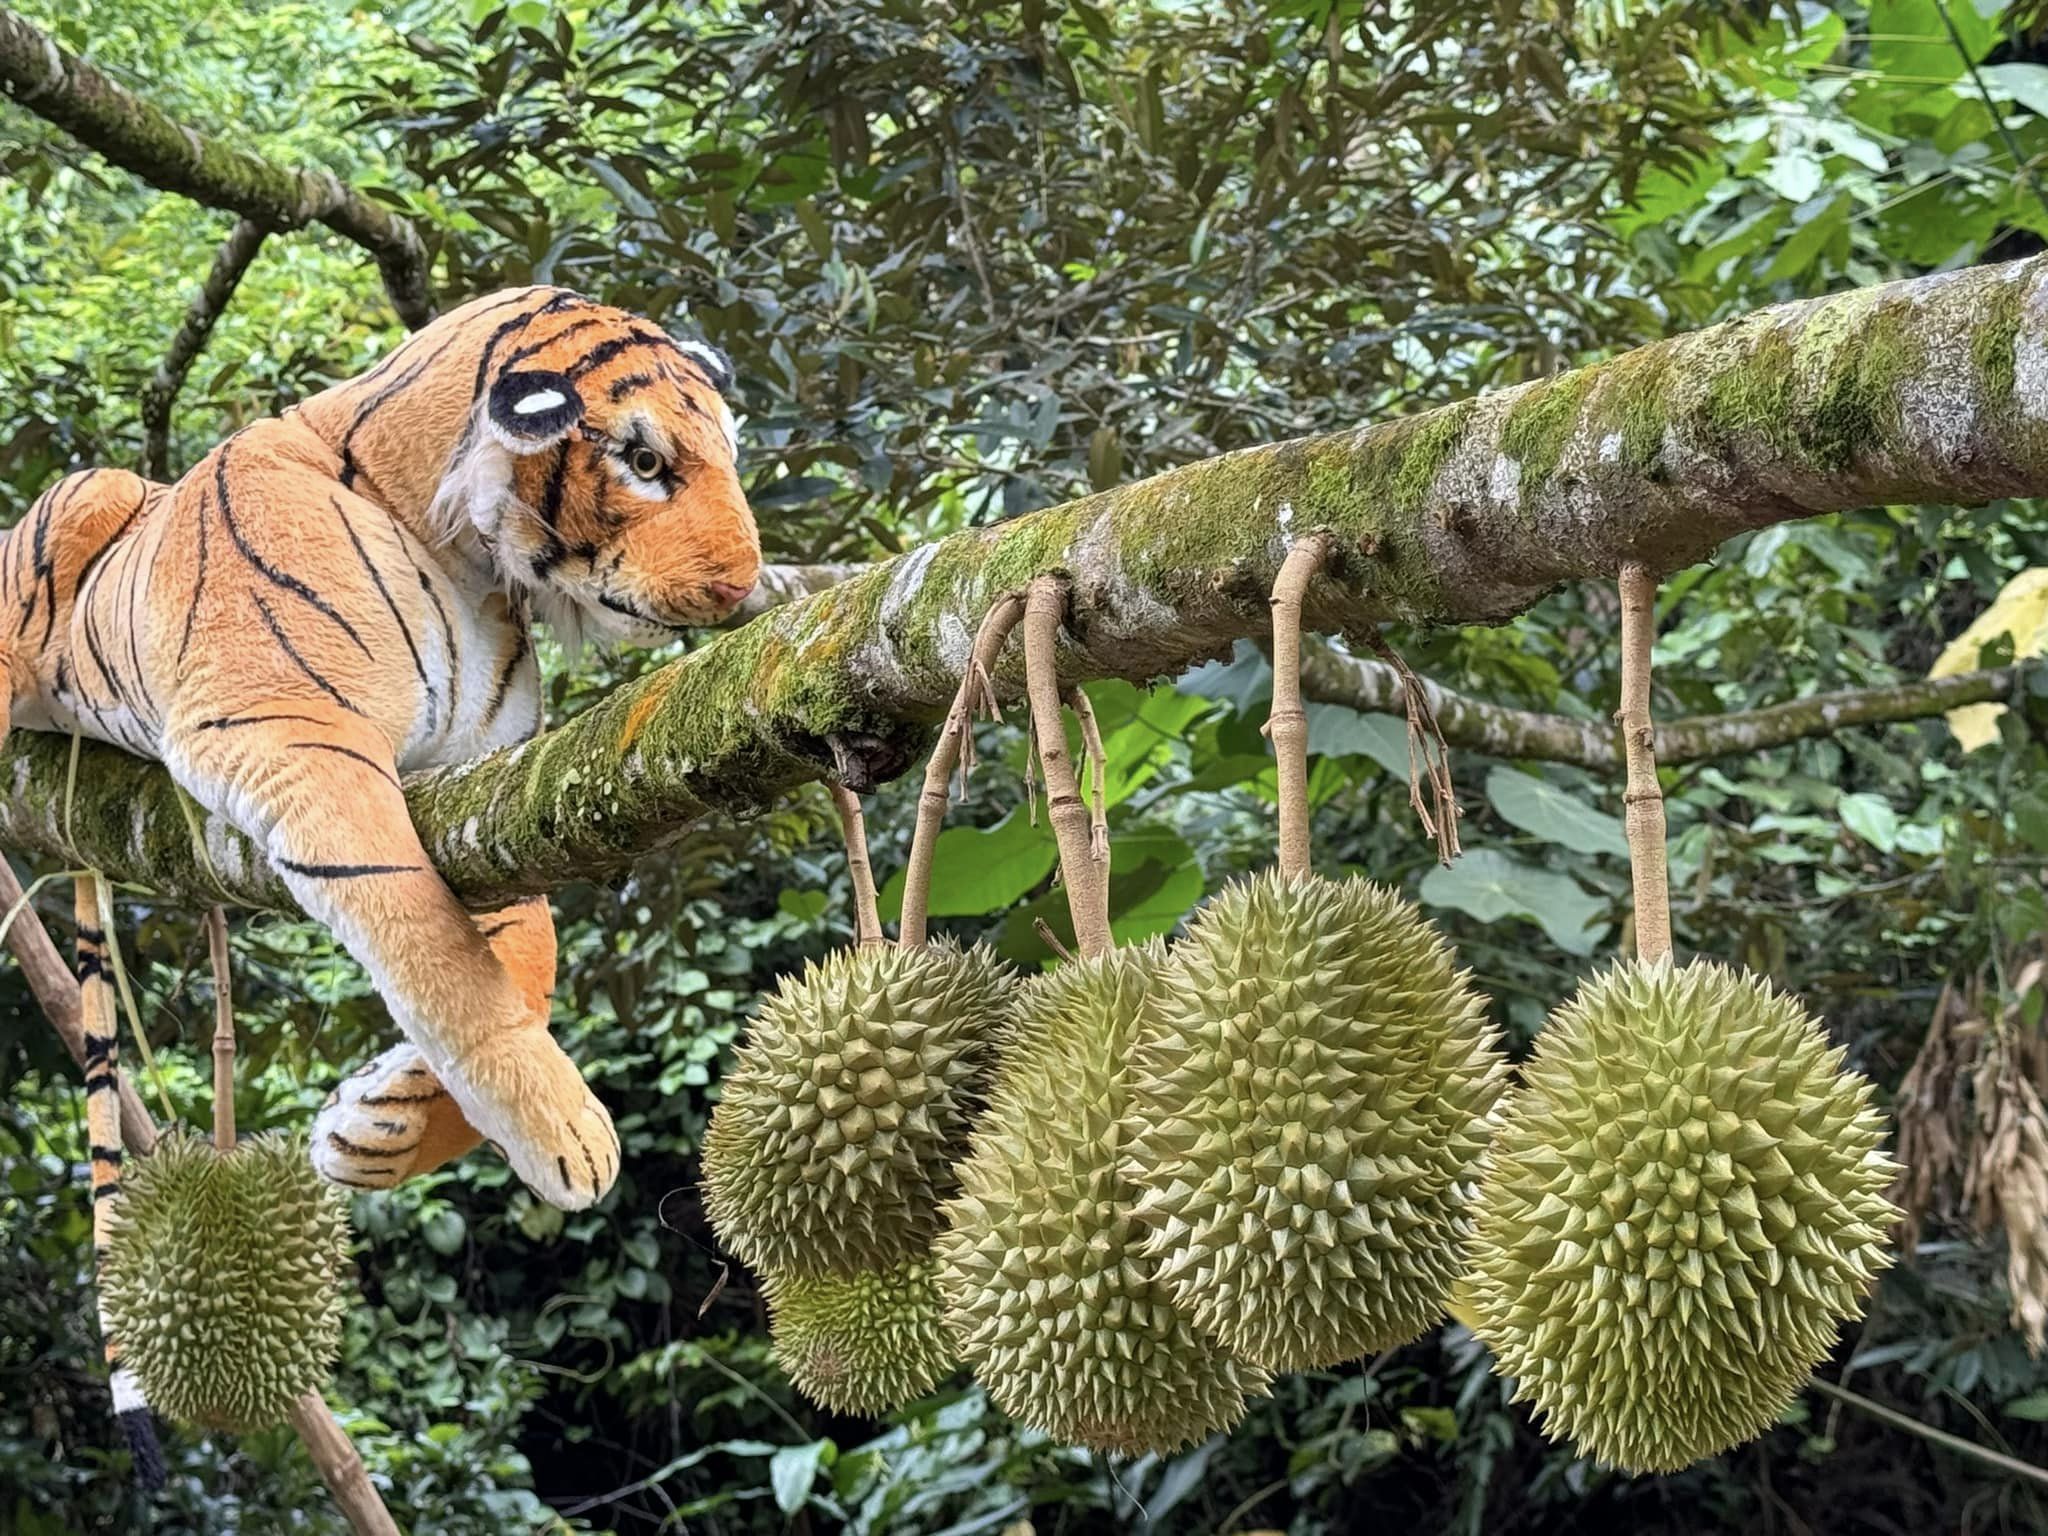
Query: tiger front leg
x,y
316,786
392,1119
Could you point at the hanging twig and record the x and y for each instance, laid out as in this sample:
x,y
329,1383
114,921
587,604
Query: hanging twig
x,y
1098,774
1086,879
223,1031
1927,1432
1429,757
867,925
956,743
229,263
1287,722
1642,800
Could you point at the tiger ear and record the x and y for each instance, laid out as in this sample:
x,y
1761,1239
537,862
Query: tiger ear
x,y
532,408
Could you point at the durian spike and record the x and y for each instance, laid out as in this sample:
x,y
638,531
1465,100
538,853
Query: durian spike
x,y
1287,722
1086,877
223,1032
1642,800
867,925
1098,773
955,744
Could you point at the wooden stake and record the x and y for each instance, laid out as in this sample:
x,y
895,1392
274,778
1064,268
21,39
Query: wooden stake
x,y
1287,721
1642,800
334,1454
223,1031
867,924
1085,876
954,742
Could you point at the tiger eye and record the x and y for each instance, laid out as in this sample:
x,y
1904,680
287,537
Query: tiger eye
x,y
645,463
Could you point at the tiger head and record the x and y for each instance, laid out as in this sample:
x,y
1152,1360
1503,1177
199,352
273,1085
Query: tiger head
x,y
600,474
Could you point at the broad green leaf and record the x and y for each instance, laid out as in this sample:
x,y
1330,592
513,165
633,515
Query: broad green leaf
x,y
1549,811
2033,1407
1337,731
1489,884
791,1472
977,870
1871,818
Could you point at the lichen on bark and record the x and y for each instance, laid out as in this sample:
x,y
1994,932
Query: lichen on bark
x,y
1466,514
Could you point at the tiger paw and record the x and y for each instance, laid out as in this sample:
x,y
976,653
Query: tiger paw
x,y
529,1099
388,1120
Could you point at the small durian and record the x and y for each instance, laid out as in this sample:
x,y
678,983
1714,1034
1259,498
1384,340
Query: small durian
x,y
1684,1201
1062,1319
864,1343
1312,1088
225,1278
834,1137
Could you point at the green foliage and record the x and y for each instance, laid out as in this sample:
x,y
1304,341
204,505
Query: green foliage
x,y
971,265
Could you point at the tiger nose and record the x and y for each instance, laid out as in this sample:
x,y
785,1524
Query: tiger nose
x,y
727,594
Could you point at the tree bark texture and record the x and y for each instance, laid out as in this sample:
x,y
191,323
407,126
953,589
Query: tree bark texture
x,y
142,139
1931,390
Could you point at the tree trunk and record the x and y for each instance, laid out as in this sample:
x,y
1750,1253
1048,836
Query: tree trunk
x,y
1930,390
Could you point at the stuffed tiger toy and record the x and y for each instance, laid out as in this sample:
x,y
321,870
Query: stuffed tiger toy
x,y
343,594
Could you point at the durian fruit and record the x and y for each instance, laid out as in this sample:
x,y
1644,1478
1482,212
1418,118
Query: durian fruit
x,y
832,1144
225,1278
1313,1085
1059,1314
1685,1200
862,1343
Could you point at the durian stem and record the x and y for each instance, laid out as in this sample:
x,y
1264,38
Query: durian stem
x,y
223,1032
333,1453
955,741
867,924
1643,800
1928,1432
1098,773
1287,721
1086,876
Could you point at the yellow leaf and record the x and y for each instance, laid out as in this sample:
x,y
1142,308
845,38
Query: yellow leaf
x,y
2019,610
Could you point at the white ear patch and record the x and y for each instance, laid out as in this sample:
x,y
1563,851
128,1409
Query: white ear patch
x,y
532,408
539,400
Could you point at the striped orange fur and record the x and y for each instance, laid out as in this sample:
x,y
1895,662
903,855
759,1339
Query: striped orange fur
x,y
344,593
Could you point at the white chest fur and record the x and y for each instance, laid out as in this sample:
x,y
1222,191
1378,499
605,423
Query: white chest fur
x,y
477,647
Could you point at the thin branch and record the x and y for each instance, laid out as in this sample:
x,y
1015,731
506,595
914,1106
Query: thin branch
x,y
1287,721
955,744
1086,877
1927,1432
223,1031
229,263
1098,773
147,142
1643,800
867,926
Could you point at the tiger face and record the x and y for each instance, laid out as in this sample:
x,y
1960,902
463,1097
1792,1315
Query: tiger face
x,y
601,476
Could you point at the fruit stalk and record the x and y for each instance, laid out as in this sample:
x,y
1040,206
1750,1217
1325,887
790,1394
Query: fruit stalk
x,y
1086,875
867,923
1287,722
954,740
223,1032
1642,800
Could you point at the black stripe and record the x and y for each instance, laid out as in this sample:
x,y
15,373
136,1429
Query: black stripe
x,y
562,1163
108,1155
277,578
560,301
335,1178
198,580
91,935
105,1192
378,1100
558,480
505,678
452,658
533,347
103,1076
492,930
229,722
328,746
277,634
622,387
618,346
384,592
89,967
344,871
376,402
349,1148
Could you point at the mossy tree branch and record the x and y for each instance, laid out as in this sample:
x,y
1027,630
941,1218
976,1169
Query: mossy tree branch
x,y
1930,390
145,141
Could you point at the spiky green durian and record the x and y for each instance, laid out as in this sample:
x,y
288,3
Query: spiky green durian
x,y
225,1278
1312,1088
1685,1198
832,1144
862,1343
1060,1316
